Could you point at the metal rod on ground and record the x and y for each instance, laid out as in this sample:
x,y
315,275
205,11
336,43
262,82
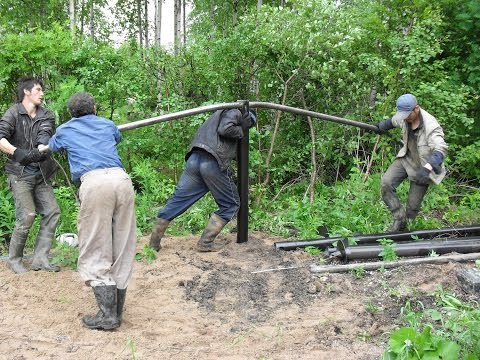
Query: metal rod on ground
x,y
419,248
278,269
242,161
393,264
372,238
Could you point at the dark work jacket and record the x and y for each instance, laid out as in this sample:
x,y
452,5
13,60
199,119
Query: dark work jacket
x,y
219,136
21,131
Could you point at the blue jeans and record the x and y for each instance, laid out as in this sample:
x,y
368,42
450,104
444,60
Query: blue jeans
x,y
201,175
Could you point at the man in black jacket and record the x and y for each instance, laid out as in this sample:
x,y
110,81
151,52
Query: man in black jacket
x,y
207,170
23,127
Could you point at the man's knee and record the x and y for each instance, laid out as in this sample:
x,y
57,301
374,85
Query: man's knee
x,y
386,187
25,221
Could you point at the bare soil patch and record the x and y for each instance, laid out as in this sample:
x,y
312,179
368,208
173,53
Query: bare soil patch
x,y
190,305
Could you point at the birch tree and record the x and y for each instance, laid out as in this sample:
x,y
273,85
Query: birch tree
x,y
72,17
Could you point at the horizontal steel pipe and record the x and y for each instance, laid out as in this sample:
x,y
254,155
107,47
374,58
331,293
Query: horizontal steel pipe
x,y
372,238
179,115
421,248
297,111
239,105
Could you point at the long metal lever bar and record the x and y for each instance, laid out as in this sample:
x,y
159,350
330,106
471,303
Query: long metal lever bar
x,y
242,235
239,105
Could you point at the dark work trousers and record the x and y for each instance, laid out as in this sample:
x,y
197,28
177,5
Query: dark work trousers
x,y
33,195
392,178
201,175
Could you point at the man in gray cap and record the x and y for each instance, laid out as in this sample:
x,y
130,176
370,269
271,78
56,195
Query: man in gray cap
x,y
420,159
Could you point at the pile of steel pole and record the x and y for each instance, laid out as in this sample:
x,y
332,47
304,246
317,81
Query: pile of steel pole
x,y
462,239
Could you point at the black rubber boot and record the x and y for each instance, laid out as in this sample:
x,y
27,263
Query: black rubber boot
x,y
106,318
207,240
40,255
399,222
390,199
121,293
15,253
158,232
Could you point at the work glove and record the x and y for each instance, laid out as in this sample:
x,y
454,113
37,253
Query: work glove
x,y
21,156
36,156
25,157
246,120
253,118
422,176
437,169
380,128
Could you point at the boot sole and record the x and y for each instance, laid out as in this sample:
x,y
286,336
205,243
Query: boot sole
x,y
38,268
102,327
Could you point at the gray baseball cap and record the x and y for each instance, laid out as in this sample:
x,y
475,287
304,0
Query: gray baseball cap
x,y
405,105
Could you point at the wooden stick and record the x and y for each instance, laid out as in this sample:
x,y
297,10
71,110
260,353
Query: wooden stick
x,y
393,264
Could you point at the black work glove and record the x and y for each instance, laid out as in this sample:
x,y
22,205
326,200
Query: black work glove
x,y
25,157
37,156
21,156
380,128
422,176
246,119
245,122
437,169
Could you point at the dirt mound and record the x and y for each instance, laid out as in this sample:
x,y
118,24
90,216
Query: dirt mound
x,y
190,305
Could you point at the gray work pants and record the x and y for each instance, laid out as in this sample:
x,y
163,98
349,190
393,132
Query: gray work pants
x,y
106,228
392,178
33,195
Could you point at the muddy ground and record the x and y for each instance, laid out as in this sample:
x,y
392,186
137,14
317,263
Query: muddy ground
x,y
190,305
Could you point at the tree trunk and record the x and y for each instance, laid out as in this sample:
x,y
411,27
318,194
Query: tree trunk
x,y
235,13
145,21
177,9
184,23
212,19
313,152
139,20
82,18
274,136
71,14
158,22
92,20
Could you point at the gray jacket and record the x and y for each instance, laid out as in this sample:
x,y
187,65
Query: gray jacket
x,y
219,136
430,138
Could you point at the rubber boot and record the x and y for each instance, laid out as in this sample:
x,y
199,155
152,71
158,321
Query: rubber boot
x,y
121,293
390,199
414,202
399,221
40,256
207,240
106,318
157,233
15,253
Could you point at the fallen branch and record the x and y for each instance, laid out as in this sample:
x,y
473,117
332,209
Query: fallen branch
x,y
393,264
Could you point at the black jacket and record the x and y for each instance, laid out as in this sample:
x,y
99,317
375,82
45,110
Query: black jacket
x,y
219,135
21,131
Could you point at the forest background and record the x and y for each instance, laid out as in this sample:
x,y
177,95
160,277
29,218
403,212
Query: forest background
x,y
344,58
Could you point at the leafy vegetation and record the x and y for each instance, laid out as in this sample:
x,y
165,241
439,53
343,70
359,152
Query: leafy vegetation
x,y
447,331
345,58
